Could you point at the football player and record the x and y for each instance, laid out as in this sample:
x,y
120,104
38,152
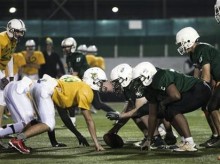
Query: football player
x,y
64,94
206,61
77,65
15,30
169,92
121,77
33,60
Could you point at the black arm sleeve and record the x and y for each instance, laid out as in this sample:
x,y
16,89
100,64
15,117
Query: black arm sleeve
x,y
67,121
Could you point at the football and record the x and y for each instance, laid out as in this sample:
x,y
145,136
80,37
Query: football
x,y
113,140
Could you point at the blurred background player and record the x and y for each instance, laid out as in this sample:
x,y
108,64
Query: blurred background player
x,y
15,30
206,59
93,59
53,65
34,60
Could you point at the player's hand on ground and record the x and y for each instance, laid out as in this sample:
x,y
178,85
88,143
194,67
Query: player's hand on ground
x,y
146,145
82,140
113,115
99,148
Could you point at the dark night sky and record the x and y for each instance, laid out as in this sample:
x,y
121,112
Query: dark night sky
x,y
128,9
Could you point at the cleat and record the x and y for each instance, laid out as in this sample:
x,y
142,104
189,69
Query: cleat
x,y
157,143
211,140
215,143
186,147
59,145
140,143
19,145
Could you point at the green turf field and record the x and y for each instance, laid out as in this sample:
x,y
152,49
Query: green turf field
x,y
44,153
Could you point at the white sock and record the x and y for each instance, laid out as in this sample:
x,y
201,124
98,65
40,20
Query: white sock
x,y
18,127
73,119
182,139
190,140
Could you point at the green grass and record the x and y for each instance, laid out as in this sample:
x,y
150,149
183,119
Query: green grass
x,y
44,153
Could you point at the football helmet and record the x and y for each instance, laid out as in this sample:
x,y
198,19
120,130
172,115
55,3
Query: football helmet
x,y
122,73
92,49
144,71
15,29
69,42
30,44
94,77
217,11
82,48
186,37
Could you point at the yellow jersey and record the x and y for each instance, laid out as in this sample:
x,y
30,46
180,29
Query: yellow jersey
x,y
91,60
67,94
100,62
18,62
7,48
36,58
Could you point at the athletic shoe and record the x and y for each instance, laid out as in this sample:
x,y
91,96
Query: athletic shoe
x,y
212,139
157,143
59,145
214,144
19,145
170,139
186,147
140,143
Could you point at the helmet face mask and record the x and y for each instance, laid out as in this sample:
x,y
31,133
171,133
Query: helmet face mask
x,y
69,45
122,73
144,72
217,11
16,29
118,89
30,45
186,38
95,77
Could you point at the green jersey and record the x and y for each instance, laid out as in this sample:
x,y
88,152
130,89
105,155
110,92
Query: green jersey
x,y
156,91
206,54
76,62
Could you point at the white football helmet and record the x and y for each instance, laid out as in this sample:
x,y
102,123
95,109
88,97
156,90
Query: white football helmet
x,y
30,44
145,72
15,26
92,49
186,37
94,77
122,73
217,11
82,48
69,42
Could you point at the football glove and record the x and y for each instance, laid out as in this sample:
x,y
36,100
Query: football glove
x,y
4,81
113,115
82,140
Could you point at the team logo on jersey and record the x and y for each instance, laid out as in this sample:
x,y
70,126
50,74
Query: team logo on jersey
x,y
163,88
200,59
138,94
78,59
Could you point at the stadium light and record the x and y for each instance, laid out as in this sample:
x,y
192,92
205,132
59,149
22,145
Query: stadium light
x,y
12,10
115,9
